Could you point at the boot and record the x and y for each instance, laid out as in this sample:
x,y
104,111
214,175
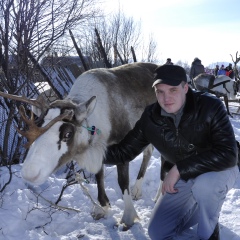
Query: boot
x,y
215,235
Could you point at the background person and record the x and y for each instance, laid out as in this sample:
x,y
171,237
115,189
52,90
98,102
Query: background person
x,y
169,62
222,71
196,68
229,71
216,69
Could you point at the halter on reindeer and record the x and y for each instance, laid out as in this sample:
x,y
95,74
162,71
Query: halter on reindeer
x,y
221,86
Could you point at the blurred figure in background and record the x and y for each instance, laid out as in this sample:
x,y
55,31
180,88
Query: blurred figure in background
x,y
222,71
229,71
196,68
216,69
168,62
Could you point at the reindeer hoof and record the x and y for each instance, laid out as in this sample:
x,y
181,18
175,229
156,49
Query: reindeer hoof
x,y
136,190
122,226
97,216
136,193
80,235
127,222
99,212
126,228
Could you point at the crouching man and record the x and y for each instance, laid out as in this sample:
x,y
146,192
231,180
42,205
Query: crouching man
x,y
194,136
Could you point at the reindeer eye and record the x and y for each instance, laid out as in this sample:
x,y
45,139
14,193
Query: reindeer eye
x,y
66,132
67,136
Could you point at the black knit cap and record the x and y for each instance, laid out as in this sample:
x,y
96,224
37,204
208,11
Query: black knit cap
x,y
171,75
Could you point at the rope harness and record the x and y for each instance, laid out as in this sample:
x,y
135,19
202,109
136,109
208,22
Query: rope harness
x,y
222,83
216,85
92,130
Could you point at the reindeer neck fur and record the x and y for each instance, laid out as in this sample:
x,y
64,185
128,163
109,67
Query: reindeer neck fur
x,y
88,151
114,113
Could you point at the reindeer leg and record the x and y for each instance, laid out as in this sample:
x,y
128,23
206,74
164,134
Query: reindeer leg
x,y
129,214
137,188
163,173
102,197
227,105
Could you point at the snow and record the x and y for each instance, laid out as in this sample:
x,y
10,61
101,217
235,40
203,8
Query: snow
x,y
25,211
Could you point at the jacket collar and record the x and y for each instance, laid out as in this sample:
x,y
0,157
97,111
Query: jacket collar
x,y
190,104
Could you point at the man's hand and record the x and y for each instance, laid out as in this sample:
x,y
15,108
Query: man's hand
x,y
170,181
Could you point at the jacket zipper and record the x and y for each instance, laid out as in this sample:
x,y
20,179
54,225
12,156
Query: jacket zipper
x,y
179,143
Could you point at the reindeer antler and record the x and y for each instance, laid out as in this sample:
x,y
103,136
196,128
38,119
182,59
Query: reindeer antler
x,y
43,105
34,131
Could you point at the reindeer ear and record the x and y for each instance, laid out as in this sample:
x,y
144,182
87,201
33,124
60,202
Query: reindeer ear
x,y
36,109
83,110
44,99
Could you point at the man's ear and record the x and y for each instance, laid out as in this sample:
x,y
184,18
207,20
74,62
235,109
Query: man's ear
x,y
186,87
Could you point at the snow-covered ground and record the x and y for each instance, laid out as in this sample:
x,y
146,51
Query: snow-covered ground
x,y
25,215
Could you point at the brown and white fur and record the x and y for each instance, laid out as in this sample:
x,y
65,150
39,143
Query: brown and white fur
x,y
112,100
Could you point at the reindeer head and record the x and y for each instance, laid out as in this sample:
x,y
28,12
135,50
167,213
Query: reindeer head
x,y
34,131
53,142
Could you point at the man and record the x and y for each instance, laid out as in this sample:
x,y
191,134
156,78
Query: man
x,y
229,71
169,61
216,69
193,133
222,71
196,68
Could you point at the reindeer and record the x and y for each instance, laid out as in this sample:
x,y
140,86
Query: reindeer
x,y
101,107
221,86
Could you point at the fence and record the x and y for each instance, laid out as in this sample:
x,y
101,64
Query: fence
x,y
62,79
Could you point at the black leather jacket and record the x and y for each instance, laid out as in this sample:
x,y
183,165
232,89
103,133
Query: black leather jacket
x,y
203,142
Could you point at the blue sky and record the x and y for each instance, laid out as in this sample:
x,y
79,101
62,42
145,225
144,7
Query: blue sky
x,y
185,29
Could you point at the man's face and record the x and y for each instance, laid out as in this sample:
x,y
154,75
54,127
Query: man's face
x,y
171,98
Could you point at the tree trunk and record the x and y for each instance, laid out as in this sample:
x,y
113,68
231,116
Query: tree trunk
x,y
5,158
118,54
102,51
133,54
85,66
